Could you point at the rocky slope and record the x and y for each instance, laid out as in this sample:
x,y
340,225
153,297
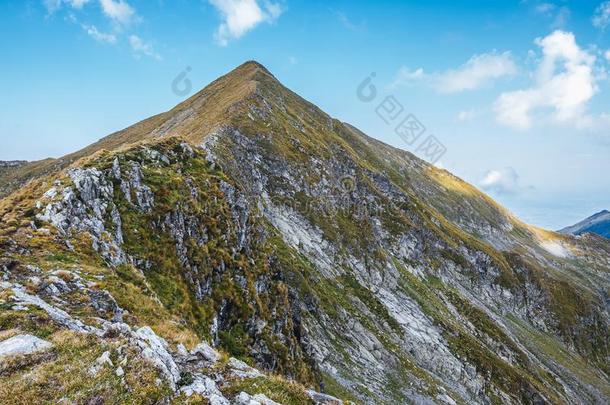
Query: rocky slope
x,y
249,219
598,224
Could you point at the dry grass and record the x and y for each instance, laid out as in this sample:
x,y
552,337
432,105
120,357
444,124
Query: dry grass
x,y
275,388
62,373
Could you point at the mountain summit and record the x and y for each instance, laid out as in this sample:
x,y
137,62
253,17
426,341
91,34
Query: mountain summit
x,y
246,247
191,119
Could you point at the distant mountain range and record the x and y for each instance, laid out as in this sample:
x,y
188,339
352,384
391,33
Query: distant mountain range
x,y
598,224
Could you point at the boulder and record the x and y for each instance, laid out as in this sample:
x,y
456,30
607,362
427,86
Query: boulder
x,y
259,399
207,352
323,399
155,349
23,344
242,370
207,388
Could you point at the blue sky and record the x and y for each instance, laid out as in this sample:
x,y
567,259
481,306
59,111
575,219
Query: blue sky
x,y
517,91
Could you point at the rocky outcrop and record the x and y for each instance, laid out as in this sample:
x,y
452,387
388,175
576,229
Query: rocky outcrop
x,y
11,163
85,210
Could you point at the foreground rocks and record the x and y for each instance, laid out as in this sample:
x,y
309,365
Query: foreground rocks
x,y
23,345
188,373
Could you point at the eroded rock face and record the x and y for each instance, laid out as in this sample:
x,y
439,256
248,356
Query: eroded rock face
x,y
85,210
421,333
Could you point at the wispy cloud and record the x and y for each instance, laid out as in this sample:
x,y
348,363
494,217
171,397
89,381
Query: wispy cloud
x,y
121,16
466,115
140,47
241,16
408,77
545,8
54,5
94,33
347,22
559,15
601,17
477,72
118,10
564,83
501,181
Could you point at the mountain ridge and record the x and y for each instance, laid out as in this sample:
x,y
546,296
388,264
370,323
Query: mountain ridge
x,y
249,218
131,134
598,223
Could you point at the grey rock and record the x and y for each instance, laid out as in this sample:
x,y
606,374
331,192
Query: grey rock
x,y
206,387
23,345
84,210
259,399
323,399
207,352
58,315
155,349
100,363
241,370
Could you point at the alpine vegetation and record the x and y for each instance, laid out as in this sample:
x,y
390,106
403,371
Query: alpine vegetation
x,y
247,248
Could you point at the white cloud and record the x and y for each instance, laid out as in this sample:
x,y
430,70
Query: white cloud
x,y
407,77
347,22
118,10
601,17
241,16
466,115
564,83
78,3
54,5
478,71
94,33
607,55
561,18
559,15
501,181
545,8
142,48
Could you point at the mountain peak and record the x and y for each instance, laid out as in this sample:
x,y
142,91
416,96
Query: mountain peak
x,y
251,70
192,119
252,65
248,216
598,223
